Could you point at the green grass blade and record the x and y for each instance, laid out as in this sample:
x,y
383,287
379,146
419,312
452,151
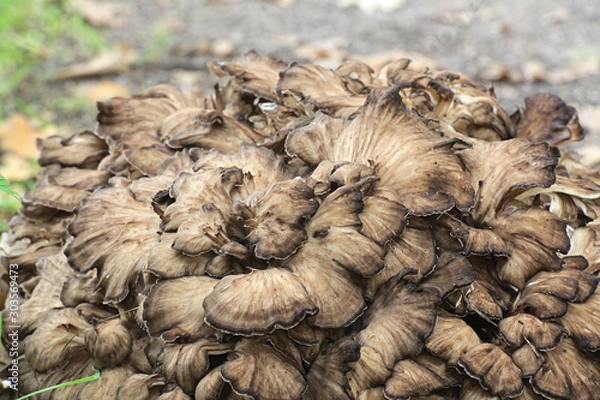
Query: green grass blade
x,y
6,187
61,385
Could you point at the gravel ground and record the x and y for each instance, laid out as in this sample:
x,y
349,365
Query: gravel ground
x,y
521,46
468,36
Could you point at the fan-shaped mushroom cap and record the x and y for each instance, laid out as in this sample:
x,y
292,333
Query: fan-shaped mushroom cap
x,y
326,377
31,380
401,317
334,249
278,219
106,386
383,217
413,249
58,342
141,114
421,154
472,390
546,118
210,386
261,168
45,298
113,233
141,387
582,321
109,343
528,359
147,160
320,87
175,394
83,150
257,370
210,129
531,165
238,303
547,293
419,377
451,271
56,197
192,191
188,363
486,295
494,370
451,338
254,73
368,372
535,240
526,328
567,374
166,262
173,308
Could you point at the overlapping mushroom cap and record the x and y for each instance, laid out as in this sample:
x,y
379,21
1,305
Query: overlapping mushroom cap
x,y
307,233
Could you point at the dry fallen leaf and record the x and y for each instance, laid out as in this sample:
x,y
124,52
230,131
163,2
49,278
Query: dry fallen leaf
x,y
114,60
17,143
17,135
101,15
577,69
103,90
330,49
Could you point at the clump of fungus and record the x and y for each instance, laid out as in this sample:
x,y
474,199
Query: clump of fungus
x,y
307,233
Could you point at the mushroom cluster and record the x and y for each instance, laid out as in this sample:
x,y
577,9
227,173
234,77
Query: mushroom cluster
x,y
308,233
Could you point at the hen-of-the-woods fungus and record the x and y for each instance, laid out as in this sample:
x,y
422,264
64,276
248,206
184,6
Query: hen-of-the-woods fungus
x,y
307,233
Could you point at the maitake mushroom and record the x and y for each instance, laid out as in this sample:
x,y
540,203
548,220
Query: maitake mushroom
x,y
307,233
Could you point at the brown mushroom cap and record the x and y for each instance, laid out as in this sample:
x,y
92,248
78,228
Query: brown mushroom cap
x,y
173,308
83,150
368,372
279,217
257,370
419,376
58,342
522,329
192,191
451,338
532,165
401,317
210,129
326,377
414,249
567,374
547,294
533,248
113,233
320,87
106,385
253,73
494,369
166,262
46,297
109,343
451,271
140,387
421,154
187,363
582,321
238,303
546,118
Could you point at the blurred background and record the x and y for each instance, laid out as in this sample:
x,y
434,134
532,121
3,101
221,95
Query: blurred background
x,y
58,57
